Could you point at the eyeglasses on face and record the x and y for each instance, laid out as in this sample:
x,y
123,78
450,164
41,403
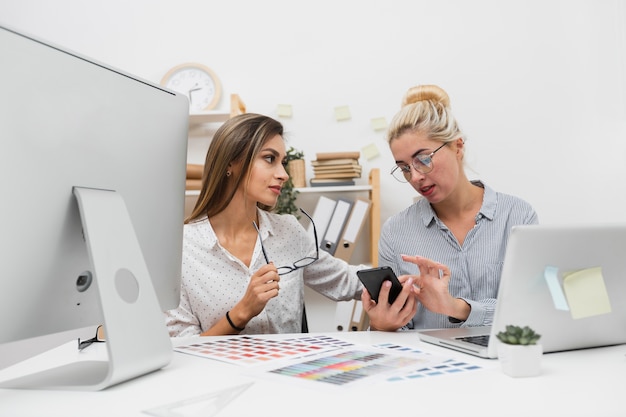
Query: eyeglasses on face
x,y
421,163
98,338
300,263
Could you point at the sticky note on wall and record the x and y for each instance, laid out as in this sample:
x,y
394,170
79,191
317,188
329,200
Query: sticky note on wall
x,y
379,123
284,110
342,113
370,151
586,293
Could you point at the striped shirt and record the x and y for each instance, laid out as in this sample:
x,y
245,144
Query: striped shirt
x,y
475,266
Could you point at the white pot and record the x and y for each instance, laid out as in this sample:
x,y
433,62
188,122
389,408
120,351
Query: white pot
x,y
520,361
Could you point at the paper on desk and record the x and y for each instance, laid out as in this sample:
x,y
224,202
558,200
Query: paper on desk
x,y
251,350
351,367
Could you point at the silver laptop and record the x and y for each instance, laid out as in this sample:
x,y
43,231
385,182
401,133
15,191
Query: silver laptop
x,y
568,283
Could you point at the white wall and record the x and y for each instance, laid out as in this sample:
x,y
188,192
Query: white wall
x,y
538,86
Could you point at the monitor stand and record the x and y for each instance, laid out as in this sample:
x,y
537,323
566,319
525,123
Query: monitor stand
x,y
136,337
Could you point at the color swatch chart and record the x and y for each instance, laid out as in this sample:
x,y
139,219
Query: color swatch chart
x,y
346,367
377,363
445,367
252,350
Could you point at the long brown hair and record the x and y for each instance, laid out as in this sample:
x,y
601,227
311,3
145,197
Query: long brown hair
x,y
238,140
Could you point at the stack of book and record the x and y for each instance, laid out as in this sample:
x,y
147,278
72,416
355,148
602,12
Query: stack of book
x,y
194,176
335,168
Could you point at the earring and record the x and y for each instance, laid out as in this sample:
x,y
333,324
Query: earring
x,y
228,173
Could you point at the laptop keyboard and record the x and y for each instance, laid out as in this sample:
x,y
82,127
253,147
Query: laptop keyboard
x,y
482,340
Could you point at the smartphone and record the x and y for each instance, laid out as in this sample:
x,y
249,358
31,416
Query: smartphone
x,y
373,279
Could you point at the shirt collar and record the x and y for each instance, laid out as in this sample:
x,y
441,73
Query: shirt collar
x,y
490,201
266,227
487,209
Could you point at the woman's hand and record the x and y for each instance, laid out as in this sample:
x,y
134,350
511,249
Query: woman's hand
x,y
263,287
391,317
433,292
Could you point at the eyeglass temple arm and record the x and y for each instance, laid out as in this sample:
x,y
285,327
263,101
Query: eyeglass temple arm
x,y
317,246
261,240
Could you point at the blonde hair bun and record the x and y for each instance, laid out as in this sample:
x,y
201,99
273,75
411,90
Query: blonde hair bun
x,y
426,93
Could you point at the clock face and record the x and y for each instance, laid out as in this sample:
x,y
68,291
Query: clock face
x,y
197,82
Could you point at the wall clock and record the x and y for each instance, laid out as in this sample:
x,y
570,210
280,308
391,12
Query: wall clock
x,y
198,82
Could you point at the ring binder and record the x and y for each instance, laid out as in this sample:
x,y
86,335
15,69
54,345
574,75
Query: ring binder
x,y
360,210
336,225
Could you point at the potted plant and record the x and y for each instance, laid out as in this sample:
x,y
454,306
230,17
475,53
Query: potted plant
x,y
518,351
286,200
296,167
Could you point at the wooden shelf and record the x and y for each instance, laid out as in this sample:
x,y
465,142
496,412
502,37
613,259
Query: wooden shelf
x,y
208,117
331,189
237,106
314,190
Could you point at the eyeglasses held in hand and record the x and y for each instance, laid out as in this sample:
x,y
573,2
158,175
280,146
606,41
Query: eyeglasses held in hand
x,y
98,338
421,163
300,263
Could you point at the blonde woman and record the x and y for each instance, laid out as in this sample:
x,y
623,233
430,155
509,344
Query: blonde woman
x,y
448,247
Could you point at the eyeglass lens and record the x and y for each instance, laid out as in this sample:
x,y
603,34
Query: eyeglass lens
x,y
421,163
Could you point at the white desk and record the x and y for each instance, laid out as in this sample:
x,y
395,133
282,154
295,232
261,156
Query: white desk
x,y
578,383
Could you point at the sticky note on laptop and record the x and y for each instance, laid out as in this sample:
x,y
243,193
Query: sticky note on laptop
x,y
586,293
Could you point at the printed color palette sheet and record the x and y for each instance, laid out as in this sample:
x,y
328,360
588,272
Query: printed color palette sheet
x,y
250,350
446,366
351,366
346,367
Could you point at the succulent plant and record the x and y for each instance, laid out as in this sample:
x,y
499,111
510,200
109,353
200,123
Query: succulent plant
x,y
515,335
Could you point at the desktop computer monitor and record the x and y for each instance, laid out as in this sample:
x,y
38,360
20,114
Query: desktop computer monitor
x,y
92,167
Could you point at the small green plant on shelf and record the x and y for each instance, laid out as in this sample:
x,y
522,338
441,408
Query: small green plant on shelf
x,y
294,154
515,335
286,203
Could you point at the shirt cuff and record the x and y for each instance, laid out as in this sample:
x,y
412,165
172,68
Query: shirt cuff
x,y
477,316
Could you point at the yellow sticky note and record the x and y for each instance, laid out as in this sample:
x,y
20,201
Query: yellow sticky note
x,y
586,293
370,151
379,123
284,110
342,113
